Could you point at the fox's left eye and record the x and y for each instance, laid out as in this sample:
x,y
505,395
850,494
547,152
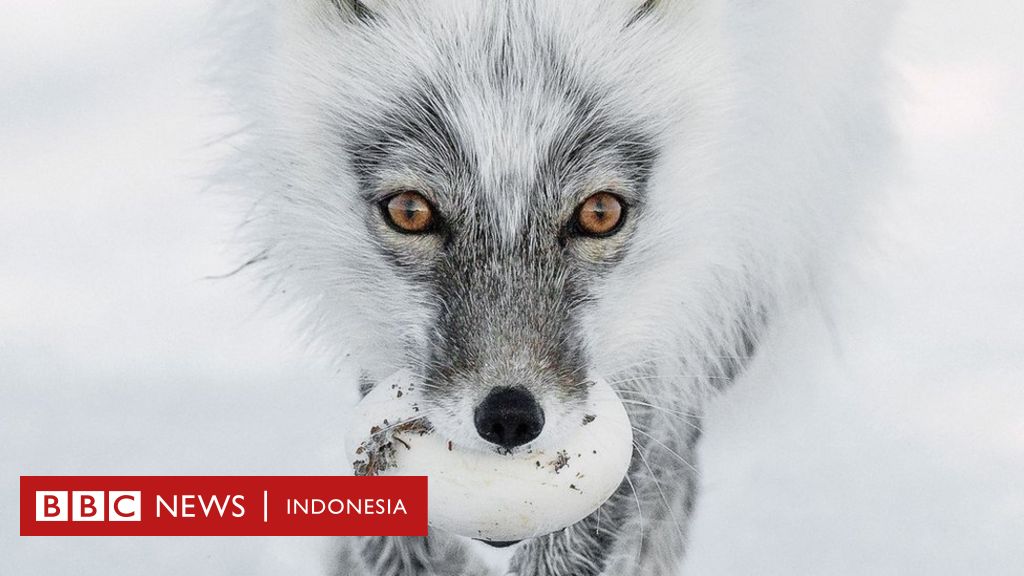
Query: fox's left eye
x,y
409,212
600,215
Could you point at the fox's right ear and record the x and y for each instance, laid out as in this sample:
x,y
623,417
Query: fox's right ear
x,y
353,10
646,9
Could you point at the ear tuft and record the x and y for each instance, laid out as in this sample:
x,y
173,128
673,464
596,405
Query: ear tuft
x,y
643,11
354,10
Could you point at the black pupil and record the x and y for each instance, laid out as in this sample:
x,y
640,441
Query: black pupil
x,y
411,208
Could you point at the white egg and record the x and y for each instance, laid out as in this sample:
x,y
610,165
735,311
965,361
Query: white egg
x,y
484,494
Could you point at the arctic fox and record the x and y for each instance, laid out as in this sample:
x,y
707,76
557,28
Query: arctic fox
x,y
512,197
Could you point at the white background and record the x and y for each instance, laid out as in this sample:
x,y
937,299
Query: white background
x,y
889,440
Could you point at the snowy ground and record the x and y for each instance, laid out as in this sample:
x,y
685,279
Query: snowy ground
x,y
889,442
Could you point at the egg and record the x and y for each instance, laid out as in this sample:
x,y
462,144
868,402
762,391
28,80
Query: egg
x,y
485,494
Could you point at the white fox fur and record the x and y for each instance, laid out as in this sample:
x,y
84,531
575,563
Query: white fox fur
x,y
769,129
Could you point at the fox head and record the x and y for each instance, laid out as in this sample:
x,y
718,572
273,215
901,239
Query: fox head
x,y
515,198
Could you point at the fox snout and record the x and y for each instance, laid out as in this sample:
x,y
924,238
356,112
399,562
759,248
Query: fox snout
x,y
509,417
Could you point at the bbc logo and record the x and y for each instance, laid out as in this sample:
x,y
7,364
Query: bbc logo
x,y
88,506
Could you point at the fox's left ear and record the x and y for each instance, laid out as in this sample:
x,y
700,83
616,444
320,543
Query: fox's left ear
x,y
652,8
353,10
646,8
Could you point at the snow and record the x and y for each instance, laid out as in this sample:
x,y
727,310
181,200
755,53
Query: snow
x,y
885,439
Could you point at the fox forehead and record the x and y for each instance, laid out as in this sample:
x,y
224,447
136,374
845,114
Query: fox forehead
x,y
504,105
497,117
500,162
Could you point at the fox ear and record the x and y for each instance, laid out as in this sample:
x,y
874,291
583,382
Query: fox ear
x,y
651,8
353,10
647,7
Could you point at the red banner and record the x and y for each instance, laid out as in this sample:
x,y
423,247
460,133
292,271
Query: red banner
x,y
223,506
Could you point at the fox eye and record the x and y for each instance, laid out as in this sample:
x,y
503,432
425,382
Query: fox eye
x,y
599,215
409,212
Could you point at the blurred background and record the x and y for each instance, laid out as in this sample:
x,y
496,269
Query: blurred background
x,y
887,438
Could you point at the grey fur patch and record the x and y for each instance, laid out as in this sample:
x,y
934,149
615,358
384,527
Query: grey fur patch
x,y
354,9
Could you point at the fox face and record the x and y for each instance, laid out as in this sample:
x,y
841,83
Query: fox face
x,y
504,200
513,199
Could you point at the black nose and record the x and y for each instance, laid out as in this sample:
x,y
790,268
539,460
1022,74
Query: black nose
x,y
509,417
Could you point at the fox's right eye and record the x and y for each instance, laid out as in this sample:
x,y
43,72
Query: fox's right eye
x,y
600,215
409,212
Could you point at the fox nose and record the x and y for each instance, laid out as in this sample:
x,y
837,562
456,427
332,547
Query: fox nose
x,y
509,417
